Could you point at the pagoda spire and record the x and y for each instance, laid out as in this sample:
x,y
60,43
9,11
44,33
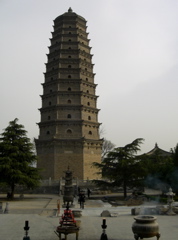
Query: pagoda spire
x,y
70,10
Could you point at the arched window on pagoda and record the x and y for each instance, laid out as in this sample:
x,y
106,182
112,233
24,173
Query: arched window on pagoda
x,y
69,131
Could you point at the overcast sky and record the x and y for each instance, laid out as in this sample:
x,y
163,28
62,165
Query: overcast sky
x,y
135,47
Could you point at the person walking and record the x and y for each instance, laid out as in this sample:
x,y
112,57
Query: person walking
x,y
81,199
88,192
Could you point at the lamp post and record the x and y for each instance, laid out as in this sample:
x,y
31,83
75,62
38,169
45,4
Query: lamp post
x,y
104,226
26,228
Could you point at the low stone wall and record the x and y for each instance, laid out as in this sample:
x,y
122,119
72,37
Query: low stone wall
x,y
49,186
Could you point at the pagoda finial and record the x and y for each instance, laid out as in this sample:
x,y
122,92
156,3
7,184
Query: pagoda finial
x,y
156,145
70,10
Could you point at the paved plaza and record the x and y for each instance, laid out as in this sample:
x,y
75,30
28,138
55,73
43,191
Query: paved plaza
x,y
41,212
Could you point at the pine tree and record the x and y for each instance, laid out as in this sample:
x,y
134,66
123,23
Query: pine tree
x,y
175,156
121,167
17,158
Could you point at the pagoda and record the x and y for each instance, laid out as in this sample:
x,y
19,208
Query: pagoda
x,y
69,127
158,151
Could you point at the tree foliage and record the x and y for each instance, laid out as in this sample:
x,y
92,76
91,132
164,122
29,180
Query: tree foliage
x,y
174,173
158,170
174,152
106,148
121,167
17,157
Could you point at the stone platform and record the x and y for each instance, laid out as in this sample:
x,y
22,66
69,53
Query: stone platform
x,y
41,212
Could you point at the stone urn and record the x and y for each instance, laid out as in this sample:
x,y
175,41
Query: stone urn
x,y
145,226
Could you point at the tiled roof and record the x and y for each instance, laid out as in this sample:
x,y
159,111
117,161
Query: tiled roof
x,y
158,151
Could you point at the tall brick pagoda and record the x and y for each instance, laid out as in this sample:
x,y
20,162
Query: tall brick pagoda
x,y
69,127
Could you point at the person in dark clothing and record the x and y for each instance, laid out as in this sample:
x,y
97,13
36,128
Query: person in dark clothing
x,y
88,192
78,191
81,199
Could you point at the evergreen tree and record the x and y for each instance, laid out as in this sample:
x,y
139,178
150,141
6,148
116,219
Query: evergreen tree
x,y
17,158
174,174
158,170
121,167
175,156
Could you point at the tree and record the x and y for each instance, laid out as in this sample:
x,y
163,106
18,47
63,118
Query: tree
x,y
174,152
174,173
158,170
121,167
106,148
17,157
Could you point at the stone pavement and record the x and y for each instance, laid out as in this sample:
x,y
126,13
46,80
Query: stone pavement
x,y
40,211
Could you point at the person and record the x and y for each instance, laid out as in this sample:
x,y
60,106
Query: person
x,y
8,195
81,199
78,191
88,192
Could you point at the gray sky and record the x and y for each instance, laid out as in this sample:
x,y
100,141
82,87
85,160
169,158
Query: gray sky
x,y
135,47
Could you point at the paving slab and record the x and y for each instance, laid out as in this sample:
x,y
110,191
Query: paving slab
x,y
42,224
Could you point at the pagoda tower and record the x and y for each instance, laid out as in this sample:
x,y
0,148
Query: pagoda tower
x,y
69,127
